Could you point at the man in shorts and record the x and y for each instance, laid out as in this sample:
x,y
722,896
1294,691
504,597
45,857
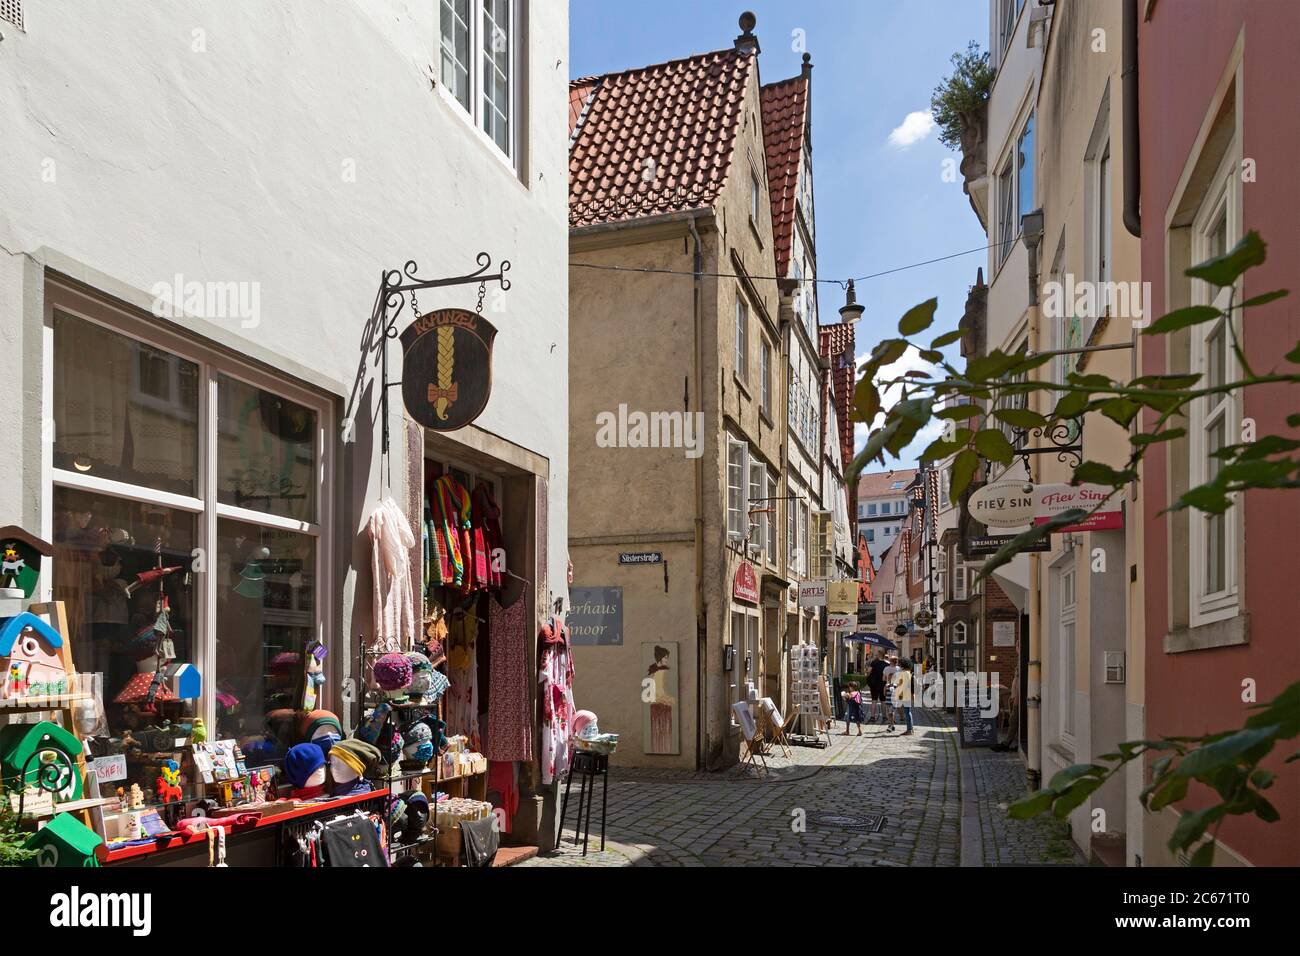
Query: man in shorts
x,y
876,685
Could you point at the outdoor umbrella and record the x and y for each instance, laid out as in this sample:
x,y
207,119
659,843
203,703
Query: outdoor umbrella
x,y
875,640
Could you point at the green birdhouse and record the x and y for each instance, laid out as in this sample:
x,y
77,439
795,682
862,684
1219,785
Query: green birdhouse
x,y
20,559
64,842
35,752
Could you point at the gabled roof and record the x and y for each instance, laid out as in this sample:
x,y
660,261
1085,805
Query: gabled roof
x,y
785,121
655,139
837,343
877,484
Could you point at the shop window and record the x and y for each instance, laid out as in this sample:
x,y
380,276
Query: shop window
x,y
123,410
147,553
266,616
757,529
266,451
737,457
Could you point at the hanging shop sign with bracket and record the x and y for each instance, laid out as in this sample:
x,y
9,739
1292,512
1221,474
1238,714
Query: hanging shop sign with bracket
x,y
447,377
447,368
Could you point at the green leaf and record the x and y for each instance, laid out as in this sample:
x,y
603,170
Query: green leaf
x,y
1169,790
866,401
1204,855
1241,745
1182,318
988,368
1266,297
1121,411
1074,797
918,318
1071,405
1205,498
963,470
1032,805
1064,779
947,338
1094,472
957,412
1293,421
1192,825
1165,381
1225,269
1294,355
1150,438
993,446
932,355
1019,417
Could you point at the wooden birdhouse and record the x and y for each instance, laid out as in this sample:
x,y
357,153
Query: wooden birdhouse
x,y
30,753
20,559
33,659
65,842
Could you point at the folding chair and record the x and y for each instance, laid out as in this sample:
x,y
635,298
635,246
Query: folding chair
x,y
775,725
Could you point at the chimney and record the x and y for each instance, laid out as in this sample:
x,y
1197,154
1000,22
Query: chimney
x,y
747,43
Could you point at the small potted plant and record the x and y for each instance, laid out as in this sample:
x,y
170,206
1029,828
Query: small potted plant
x,y
959,106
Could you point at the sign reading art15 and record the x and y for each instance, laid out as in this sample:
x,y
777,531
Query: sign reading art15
x,y
447,369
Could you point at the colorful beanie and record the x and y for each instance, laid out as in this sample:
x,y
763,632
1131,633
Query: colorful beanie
x,y
301,762
357,754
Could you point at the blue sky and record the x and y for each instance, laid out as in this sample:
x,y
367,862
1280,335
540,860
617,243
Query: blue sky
x,y
879,205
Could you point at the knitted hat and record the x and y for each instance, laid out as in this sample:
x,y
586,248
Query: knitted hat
x,y
301,762
357,754
393,672
318,721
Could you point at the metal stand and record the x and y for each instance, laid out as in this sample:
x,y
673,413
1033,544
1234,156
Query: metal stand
x,y
590,766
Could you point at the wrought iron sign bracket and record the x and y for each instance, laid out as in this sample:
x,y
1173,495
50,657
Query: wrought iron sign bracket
x,y
1065,440
397,285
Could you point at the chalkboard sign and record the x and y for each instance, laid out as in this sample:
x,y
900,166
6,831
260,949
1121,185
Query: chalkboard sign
x,y
973,728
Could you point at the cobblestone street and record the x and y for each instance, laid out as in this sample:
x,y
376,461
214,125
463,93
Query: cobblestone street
x,y
813,809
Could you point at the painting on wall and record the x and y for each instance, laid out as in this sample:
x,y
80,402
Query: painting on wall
x,y
660,721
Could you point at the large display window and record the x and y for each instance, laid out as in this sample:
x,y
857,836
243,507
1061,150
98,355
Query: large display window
x,y
186,497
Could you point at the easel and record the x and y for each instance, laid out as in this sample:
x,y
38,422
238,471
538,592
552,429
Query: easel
x,y
753,737
772,729
65,706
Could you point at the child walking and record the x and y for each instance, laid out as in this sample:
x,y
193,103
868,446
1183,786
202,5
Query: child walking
x,y
852,707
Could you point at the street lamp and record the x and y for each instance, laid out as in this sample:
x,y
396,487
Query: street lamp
x,y
851,312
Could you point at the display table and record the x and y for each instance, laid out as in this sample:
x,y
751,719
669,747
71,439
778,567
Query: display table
x,y
255,844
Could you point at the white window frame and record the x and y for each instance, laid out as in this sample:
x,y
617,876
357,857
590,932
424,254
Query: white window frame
x,y
757,523
475,113
765,376
1222,201
204,505
737,477
887,602
771,518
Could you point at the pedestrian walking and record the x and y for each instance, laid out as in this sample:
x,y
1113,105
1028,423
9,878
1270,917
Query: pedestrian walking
x,y
852,707
903,693
890,670
876,685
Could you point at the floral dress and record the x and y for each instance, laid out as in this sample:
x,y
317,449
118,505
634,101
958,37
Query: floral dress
x,y
555,687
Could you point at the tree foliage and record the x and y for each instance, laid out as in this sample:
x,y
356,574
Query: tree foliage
x,y
963,92
967,400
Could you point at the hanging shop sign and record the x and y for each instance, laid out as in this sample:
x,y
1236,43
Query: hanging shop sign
x,y
923,618
812,593
1003,504
836,622
867,615
744,586
447,369
595,616
640,557
842,597
1050,500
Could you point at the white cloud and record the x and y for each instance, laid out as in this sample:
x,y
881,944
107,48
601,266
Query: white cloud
x,y
915,127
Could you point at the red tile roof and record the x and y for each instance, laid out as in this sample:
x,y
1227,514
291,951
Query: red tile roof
x,y
682,115
785,107
837,343
877,484
579,91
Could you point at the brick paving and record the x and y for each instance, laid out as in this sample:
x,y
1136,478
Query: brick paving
x,y
673,818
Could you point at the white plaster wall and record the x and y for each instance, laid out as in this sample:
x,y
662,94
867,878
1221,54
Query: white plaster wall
x,y
228,164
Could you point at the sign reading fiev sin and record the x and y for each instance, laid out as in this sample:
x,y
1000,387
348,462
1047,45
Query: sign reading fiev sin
x,y
447,368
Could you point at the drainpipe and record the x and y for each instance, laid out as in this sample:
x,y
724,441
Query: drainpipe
x,y
701,625
1132,141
